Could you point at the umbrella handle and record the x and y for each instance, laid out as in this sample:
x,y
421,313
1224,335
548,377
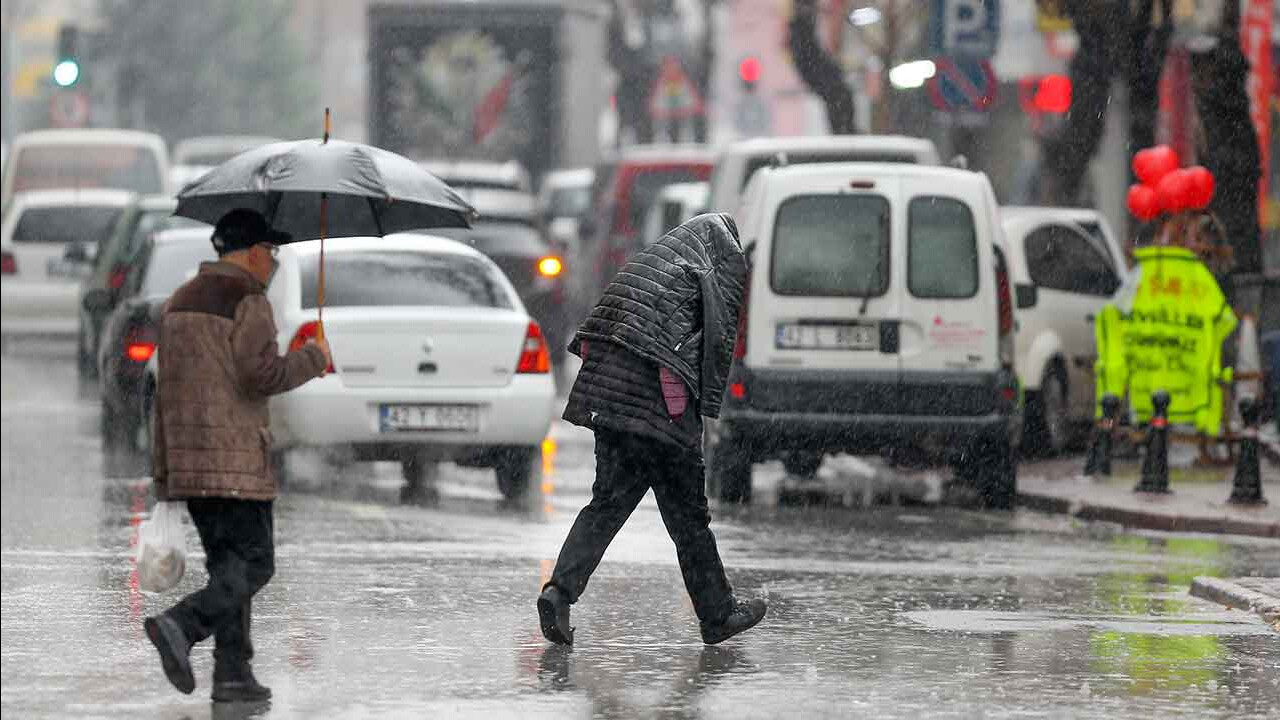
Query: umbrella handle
x,y
324,206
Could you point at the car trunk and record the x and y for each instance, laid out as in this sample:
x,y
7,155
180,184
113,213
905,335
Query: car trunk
x,y
425,347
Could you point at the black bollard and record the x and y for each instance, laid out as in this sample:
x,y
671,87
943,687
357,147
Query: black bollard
x,y
1155,462
1098,461
1247,486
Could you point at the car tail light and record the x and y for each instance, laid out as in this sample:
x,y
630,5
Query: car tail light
x,y
8,263
1004,309
738,390
119,274
140,343
740,343
534,356
550,266
308,331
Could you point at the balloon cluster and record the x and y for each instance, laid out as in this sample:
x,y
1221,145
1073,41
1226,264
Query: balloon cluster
x,y
1166,188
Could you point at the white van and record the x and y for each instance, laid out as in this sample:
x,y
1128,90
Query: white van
x,y
86,160
879,315
736,163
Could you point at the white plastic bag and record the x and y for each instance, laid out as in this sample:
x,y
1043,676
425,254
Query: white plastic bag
x,y
162,548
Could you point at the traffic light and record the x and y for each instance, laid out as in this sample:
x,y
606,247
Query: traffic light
x,y
749,72
66,73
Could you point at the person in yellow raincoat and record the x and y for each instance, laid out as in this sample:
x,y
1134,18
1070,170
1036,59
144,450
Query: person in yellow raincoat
x,y
1168,336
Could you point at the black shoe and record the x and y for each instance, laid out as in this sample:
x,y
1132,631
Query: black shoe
x,y
744,616
174,649
553,613
240,690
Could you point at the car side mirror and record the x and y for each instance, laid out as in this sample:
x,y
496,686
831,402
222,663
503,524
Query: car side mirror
x,y
1027,296
97,300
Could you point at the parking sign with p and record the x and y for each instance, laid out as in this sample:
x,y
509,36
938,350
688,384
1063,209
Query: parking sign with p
x,y
964,28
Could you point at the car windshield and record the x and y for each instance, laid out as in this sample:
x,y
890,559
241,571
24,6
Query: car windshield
x,y
64,224
570,201
53,167
831,245
173,263
372,278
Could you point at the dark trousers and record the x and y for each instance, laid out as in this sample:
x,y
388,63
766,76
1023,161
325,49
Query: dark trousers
x,y
240,556
626,467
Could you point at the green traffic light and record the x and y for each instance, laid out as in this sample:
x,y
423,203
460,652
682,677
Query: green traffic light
x,y
66,73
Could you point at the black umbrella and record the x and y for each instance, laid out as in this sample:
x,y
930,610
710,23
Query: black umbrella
x,y
322,188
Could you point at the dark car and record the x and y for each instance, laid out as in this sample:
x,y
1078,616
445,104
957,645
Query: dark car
x,y
112,264
131,331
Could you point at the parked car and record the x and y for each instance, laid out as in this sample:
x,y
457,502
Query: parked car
x,y
879,315
563,200
674,205
131,331
85,159
435,358
625,187
48,241
1063,275
196,156
142,217
481,174
736,163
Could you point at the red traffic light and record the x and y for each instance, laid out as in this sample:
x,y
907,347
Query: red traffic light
x,y
749,69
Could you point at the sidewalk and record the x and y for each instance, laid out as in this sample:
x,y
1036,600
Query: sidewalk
x,y
1198,502
1256,594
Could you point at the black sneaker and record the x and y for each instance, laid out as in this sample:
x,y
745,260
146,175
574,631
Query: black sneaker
x,y
244,688
553,613
744,616
174,649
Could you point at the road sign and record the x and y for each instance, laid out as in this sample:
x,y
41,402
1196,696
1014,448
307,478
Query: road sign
x,y
673,96
964,28
68,109
963,85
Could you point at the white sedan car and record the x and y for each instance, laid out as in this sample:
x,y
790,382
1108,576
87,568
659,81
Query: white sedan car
x,y
1066,265
435,358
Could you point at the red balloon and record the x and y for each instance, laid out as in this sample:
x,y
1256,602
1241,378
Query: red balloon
x,y
1153,164
1142,202
1201,186
1175,192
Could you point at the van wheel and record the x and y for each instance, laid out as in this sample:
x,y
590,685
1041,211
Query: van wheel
x,y
515,470
989,470
728,470
802,463
1048,426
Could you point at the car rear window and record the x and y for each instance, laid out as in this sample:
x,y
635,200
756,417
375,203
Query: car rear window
x,y
53,167
82,223
831,245
942,248
403,278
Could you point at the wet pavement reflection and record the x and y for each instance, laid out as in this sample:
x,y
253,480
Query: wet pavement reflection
x,y
385,606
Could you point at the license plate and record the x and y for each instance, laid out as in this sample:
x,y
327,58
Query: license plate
x,y
401,418
828,336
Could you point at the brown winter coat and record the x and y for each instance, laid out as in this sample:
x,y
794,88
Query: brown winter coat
x,y
218,364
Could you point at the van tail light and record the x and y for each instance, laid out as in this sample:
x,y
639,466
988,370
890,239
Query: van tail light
x,y
118,275
1004,309
740,343
140,343
534,356
8,264
308,331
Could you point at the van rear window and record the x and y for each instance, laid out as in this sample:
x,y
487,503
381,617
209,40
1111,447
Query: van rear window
x,y
942,248
64,224
831,245
375,278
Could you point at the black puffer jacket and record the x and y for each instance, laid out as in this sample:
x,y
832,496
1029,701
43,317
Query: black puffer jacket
x,y
676,303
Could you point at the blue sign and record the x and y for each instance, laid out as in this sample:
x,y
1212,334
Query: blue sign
x,y
964,28
963,85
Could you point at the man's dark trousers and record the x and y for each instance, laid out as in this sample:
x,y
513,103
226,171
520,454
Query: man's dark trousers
x,y
240,556
626,467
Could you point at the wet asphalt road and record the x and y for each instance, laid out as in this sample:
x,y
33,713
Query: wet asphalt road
x,y
385,609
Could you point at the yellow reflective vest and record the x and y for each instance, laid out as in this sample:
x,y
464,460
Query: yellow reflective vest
x,y
1169,338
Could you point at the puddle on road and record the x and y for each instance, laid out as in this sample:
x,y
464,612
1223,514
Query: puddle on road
x,y
994,621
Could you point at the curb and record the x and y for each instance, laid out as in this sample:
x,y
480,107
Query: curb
x,y
1233,596
1149,520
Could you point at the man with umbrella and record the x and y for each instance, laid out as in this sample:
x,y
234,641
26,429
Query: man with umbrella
x,y
219,363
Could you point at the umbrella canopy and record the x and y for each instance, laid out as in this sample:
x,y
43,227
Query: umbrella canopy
x,y
366,191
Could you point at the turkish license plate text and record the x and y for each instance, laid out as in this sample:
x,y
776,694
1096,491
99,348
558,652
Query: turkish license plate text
x,y
399,418
831,336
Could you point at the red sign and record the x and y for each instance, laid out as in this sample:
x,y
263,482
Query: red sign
x,y
963,85
1255,43
674,96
